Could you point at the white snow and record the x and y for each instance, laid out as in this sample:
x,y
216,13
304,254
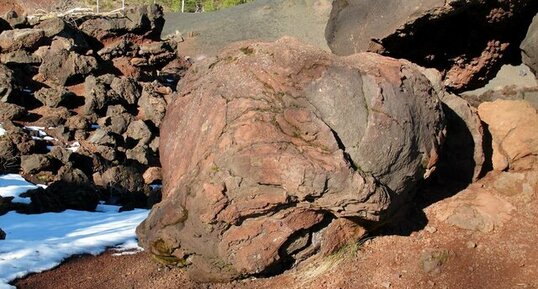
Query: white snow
x,y
35,243
156,187
13,185
2,130
74,147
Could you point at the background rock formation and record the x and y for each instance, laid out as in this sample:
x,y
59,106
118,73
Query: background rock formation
x,y
205,34
269,144
466,40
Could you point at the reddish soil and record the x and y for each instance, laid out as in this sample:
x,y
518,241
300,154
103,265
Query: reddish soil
x,y
503,258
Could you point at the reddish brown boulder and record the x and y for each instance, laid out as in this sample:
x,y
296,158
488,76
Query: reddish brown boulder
x,y
269,142
513,126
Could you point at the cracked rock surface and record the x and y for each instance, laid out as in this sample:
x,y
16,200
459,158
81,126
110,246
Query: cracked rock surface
x,y
268,145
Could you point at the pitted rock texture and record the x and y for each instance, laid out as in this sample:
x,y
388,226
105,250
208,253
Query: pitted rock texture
x,y
467,40
268,143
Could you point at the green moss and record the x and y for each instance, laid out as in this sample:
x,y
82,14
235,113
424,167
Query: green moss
x,y
170,260
247,50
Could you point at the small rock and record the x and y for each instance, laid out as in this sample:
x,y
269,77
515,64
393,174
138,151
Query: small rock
x,y
127,88
471,245
138,130
77,122
31,164
154,145
2,235
139,153
20,57
9,111
6,83
152,175
153,106
61,65
103,137
430,229
52,97
432,260
17,39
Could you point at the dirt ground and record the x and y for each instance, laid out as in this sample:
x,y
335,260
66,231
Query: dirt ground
x,y
421,252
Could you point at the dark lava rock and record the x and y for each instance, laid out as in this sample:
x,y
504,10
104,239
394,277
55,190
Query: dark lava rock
x,y
142,20
52,97
468,40
60,65
20,57
268,143
31,164
152,105
138,130
62,195
124,186
127,88
6,83
9,158
9,111
17,39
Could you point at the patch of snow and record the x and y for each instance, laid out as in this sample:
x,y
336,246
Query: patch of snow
x,y
128,248
40,130
2,130
35,243
74,147
156,187
42,135
13,185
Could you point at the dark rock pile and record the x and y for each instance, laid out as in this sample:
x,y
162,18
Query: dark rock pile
x,y
82,100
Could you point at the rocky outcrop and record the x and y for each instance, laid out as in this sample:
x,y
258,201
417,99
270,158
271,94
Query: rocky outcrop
x,y
2,235
467,40
269,144
512,125
529,46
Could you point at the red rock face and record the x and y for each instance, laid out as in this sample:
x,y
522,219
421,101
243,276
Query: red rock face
x,y
269,143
